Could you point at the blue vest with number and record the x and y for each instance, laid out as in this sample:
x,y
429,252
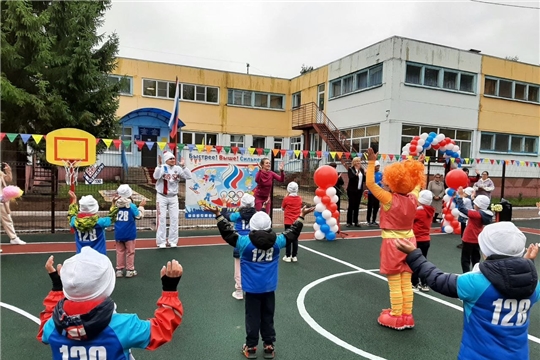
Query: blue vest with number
x,y
94,238
125,228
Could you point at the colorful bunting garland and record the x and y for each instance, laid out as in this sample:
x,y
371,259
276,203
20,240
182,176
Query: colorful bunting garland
x,y
296,154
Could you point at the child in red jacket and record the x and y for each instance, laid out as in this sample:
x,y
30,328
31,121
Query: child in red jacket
x,y
421,229
292,206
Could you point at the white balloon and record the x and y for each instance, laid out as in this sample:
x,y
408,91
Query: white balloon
x,y
327,214
455,212
449,146
317,200
441,136
445,223
446,198
334,228
319,235
335,199
331,191
448,229
404,148
331,222
320,207
455,148
435,141
421,142
424,136
316,227
452,205
406,153
429,147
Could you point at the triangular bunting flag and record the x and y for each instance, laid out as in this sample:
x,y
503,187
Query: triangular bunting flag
x,y
296,153
259,151
467,160
492,161
333,154
127,144
234,150
191,147
427,158
507,162
452,160
37,138
3,135
161,145
325,153
150,145
351,154
275,152
266,152
171,146
498,162
319,153
227,149
290,153
25,137
339,154
522,163
379,157
305,153
242,150
209,148
140,144
251,151
200,147
283,152
97,141
312,154
219,148
384,156
512,161
11,136
108,142
391,157
181,147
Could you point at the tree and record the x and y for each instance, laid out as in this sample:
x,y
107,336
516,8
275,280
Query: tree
x,y
512,58
305,69
55,66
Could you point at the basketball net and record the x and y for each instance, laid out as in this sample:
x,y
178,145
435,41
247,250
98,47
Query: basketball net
x,y
72,171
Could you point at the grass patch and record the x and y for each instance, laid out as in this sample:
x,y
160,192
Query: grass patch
x,y
83,189
517,202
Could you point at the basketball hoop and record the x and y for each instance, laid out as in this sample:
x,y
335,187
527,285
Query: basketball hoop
x,y
72,171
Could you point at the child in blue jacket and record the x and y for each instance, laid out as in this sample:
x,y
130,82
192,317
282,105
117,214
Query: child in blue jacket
x,y
259,260
241,220
125,231
89,227
497,294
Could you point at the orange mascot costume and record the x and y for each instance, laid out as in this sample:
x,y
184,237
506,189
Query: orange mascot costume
x,y
398,209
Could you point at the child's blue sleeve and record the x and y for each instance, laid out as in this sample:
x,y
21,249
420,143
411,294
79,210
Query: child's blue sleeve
x,y
48,328
131,331
242,243
135,210
104,222
281,241
471,286
72,221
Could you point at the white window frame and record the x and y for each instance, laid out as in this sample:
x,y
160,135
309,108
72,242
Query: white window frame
x,y
353,89
510,137
297,142
237,143
459,142
170,96
370,138
296,100
440,78
193,141
113,150
514,82
120,78
232,92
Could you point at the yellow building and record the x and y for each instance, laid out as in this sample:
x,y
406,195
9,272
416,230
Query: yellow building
x,y
509,115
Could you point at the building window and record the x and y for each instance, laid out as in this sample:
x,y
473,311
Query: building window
x,y
505,143
360,80
441,78
511,90
167,90
296,100
127,135
462,138
237,140
362,138
126,83
258,142
278,144
296,143
256,99
199,138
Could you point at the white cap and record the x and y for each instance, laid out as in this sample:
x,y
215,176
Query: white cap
x,y
260,221
482,201
502,238
87,204
469,191
292,188
167,156
425,197
247,200
377,163
124,190
87,276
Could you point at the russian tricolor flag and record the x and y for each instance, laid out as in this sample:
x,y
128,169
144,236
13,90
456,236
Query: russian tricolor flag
x,y
173,121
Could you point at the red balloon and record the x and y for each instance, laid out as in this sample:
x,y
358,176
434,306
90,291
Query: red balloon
x,y
326,200
325,176
332,207
320,192
412,149
455,224
435,146
457,229
448,216
416,138
335,215
456,178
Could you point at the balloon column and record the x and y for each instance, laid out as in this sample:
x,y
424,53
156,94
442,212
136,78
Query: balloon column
x,y
454,179
433,141
326,213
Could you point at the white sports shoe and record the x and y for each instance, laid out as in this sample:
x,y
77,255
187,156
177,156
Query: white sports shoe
x,y
162,246
173,245
294,259
287,258
17,241
238,295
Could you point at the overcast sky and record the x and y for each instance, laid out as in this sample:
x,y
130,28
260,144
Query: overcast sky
x,y
276,38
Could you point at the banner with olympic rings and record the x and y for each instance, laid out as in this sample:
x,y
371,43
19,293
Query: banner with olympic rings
x,y
218,180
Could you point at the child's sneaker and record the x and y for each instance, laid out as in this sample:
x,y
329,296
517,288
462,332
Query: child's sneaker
x,y
287,258
269,351
294,259
238,295
249,352
17,241
131,273
424,288
119,273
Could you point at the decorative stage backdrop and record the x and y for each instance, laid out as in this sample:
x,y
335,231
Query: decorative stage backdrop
x,y
218,180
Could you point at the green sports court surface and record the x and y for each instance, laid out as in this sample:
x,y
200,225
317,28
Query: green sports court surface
x,y
327,303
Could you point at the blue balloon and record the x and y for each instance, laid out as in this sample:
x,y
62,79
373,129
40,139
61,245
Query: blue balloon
x,y
449,152
451,192
317,214
320,220
325,228
432,134
331,236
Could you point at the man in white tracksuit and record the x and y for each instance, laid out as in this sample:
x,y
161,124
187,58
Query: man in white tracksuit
x,y
168,176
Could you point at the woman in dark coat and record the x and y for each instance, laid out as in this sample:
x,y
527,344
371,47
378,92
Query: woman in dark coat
x,y
355,190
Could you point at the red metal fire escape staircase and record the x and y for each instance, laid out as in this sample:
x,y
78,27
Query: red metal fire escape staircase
x,y
309,116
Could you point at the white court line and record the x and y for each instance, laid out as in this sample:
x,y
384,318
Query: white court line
x,y
454,306
318,328
20,311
